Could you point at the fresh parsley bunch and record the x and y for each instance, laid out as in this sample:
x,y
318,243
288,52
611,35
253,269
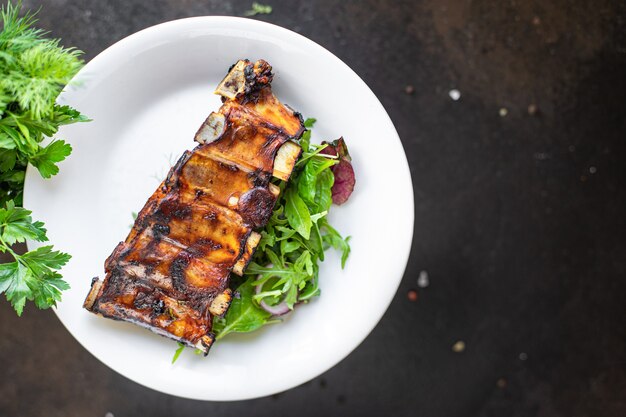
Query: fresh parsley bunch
x,y
285,267
33,72
31,276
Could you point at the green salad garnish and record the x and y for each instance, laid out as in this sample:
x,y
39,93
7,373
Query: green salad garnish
x,y
285,268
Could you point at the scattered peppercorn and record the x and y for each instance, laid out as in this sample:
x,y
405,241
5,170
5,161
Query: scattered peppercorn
x,y
412,295
409,89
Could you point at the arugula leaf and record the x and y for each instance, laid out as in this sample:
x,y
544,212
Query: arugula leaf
x,y
324,193
243,315
316,242
305,141
181,347
297,213
288,246
334,239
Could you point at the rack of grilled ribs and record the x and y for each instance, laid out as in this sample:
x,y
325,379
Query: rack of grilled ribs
x,y
171,274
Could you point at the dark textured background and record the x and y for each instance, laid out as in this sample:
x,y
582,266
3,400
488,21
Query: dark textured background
x,y
520,219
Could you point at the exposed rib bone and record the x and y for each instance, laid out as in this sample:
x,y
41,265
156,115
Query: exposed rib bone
x,y
250,247
221,303
211,129
285,160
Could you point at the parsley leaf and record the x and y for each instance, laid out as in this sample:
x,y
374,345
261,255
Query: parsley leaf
x,y
32,276
46,158
16,226
43,260
13,284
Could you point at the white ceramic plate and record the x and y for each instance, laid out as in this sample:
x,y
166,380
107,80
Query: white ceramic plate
x,y
147,95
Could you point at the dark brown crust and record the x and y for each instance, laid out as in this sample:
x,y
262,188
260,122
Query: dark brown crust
x,y
256,206
199,222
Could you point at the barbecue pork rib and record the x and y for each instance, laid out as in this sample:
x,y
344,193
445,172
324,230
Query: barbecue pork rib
x,y
171,274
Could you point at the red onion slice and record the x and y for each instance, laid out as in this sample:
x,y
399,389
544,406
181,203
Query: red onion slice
x,y
277,310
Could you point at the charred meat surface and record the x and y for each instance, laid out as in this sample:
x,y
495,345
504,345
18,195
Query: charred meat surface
x,y
171,274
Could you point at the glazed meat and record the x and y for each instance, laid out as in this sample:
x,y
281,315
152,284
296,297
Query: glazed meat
x,y
171,274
